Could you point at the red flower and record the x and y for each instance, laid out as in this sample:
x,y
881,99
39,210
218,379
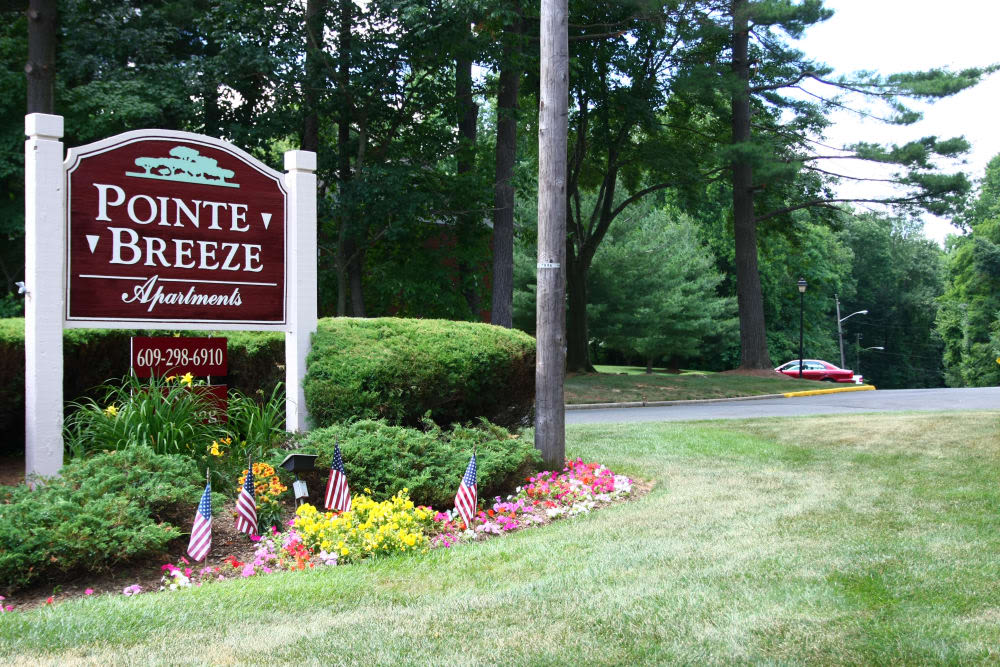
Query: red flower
x,y
48,600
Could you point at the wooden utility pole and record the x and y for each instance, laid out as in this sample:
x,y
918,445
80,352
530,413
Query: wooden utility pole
x,y
550,314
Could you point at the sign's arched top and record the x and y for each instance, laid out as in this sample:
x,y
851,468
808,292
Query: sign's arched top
x,y
171,228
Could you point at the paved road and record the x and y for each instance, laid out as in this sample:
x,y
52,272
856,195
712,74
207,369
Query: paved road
x,y
895,400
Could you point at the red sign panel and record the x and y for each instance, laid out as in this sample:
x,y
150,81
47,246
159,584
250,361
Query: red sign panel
x,y
170,355
168,227
217,396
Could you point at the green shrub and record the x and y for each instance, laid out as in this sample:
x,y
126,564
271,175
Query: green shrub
x,y
401,370
387,459
104,510
93,356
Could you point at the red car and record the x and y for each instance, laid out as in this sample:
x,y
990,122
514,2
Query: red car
x,y
814,369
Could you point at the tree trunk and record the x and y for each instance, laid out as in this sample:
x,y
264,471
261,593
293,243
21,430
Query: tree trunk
x,y
749,298
315,24
354,234
577,334
649,366
502,311
550,318
468,114
40,69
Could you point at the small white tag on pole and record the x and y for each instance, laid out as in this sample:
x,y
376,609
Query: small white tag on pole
x,y
300,489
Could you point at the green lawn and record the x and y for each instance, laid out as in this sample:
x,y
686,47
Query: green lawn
x,y
623,384
858,539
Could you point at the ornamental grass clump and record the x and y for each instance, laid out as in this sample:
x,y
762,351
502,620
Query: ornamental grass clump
x,y
369,528
167,415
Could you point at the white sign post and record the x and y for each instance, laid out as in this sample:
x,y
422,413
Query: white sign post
x,y
44,220
160,229
300,180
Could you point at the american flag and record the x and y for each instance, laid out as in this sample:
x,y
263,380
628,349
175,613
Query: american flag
x,y
246,507
201,532
338,496
465,499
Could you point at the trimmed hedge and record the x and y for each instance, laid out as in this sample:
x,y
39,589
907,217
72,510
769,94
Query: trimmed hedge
x,y
387,458
110,508
397,369
402,370
94,356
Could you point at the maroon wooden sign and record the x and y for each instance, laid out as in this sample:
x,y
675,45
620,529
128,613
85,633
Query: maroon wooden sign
x,y
171,355
167,228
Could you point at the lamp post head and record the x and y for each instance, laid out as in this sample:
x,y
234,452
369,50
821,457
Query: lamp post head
x,y
802,285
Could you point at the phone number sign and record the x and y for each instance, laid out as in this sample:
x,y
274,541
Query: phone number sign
x,y
170,355
174,229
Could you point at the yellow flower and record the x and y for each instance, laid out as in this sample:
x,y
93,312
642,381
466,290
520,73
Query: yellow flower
x,y
187,379
111,411
171,378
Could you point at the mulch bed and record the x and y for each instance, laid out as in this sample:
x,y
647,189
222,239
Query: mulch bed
x,y
148,573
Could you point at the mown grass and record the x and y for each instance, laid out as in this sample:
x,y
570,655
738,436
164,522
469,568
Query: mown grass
x,y
830,540
632,384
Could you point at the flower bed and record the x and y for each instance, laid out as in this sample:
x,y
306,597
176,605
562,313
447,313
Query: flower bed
x,y
372,528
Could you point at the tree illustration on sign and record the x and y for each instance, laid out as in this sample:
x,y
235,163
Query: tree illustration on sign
x,y
185,165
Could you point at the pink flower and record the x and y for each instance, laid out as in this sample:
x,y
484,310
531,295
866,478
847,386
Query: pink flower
x,y
187,572
274,530
248,571
185,560
89,591
9,607
134,589
255,538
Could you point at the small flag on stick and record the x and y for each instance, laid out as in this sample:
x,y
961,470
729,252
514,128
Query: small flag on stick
x,y
338,496
201,531
246,505
465,499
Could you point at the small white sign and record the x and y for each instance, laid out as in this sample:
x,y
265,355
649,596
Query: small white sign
x,y
548,265
300,489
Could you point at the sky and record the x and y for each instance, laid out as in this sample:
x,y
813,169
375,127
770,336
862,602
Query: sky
x,y
890,36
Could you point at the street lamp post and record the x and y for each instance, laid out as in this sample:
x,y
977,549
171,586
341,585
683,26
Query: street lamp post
x,y
840,329
859,350
802,304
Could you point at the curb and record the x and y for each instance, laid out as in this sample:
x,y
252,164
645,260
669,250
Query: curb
x,y
696,401
654,404
817,392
